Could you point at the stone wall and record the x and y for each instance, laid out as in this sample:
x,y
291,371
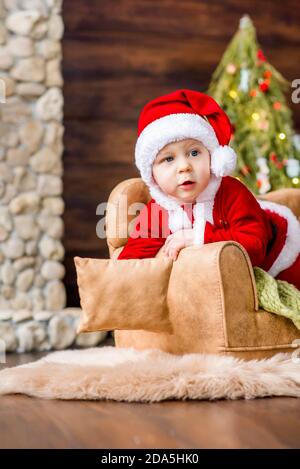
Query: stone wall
x,y
31,131
32,294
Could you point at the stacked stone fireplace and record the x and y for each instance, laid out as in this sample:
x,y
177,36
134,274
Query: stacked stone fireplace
x,y
33,313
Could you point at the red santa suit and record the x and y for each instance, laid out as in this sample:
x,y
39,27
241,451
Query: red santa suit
x,y
226,209
269,232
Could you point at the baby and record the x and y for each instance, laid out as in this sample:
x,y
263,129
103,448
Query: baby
x,y
183,156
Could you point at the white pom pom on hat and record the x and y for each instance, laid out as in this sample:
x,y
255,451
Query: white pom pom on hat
x,y
223,161
180,115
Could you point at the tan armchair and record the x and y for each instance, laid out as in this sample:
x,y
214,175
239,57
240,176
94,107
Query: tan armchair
x,y
212,295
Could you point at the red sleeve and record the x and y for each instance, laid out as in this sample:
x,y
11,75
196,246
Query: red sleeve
x,y
144,242
244,221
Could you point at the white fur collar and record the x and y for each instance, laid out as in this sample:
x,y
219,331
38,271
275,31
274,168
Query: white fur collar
x,y
178,218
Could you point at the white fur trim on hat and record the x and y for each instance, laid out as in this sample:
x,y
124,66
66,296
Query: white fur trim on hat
x,y
223,161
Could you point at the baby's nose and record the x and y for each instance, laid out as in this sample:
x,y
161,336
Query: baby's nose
x,y
184,165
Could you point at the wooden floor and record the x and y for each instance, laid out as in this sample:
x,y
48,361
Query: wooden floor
x,y
36,423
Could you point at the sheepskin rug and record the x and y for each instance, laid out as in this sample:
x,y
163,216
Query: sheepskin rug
x,y
151,375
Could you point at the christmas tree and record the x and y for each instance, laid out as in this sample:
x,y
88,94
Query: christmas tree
x,y
251,91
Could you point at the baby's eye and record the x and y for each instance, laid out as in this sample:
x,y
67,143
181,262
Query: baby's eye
x,y
169,158
194,152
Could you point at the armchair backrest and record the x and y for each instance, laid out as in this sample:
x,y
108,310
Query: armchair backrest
x,y
118,216
289,197
134,191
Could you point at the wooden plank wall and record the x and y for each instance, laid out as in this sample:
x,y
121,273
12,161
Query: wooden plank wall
x,y
117,55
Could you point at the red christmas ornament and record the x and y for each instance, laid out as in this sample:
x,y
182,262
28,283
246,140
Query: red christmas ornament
x,y
273,157
253,93
260,56
245,170
277,105
267,74
279,165
258,183
264,86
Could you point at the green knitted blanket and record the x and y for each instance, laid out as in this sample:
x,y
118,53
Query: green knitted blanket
x,y
277,296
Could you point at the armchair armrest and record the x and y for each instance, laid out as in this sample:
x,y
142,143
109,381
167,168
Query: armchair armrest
x,y
213,308
217,298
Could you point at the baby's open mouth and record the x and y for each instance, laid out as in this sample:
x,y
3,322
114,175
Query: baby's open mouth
x,y
187,183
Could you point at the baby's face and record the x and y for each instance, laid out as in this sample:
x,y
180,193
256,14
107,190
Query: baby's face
x,y
177,162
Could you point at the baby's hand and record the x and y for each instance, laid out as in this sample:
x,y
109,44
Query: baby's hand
x,y
177,241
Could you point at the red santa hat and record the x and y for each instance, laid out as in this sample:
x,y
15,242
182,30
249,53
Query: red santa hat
x,y
180,115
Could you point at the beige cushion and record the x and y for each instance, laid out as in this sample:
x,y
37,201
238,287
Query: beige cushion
x,y
123,294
